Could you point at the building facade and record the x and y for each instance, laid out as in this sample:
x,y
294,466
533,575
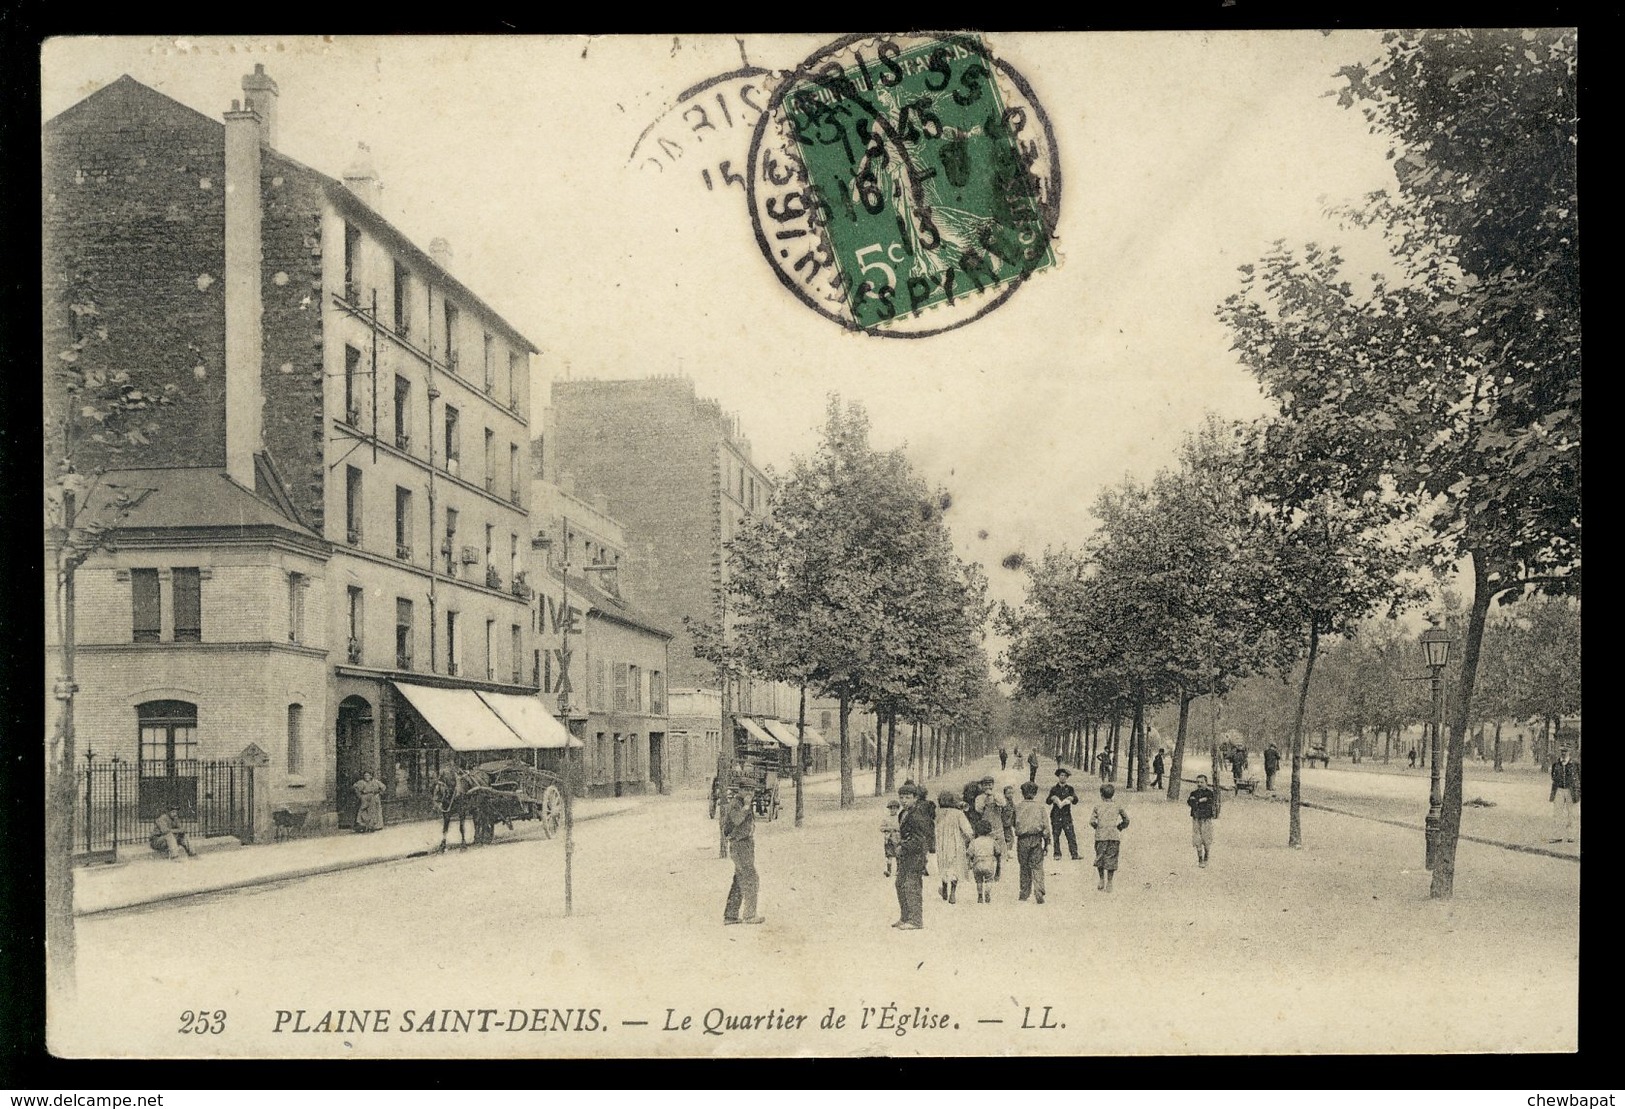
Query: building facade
x,y
311,352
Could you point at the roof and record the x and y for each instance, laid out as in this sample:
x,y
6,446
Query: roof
x,y
608,605
189,497
126,97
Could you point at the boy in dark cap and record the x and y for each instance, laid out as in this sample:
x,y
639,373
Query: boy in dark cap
x,y
1061,800
916,836
1032,838
1204,805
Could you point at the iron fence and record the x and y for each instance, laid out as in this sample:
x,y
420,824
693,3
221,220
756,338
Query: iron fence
x,y
116,801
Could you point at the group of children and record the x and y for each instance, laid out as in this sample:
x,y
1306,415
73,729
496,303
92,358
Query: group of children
x,y
976,842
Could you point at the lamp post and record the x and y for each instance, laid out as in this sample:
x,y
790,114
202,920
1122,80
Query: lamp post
x,y
1436,651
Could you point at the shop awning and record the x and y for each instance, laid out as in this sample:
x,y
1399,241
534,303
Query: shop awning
x,y
464,721
815,738
786,733
756,730
530,719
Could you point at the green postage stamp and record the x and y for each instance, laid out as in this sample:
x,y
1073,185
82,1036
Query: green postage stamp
x,y
905,185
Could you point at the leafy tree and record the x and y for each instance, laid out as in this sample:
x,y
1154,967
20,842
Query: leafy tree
x,y
1459,380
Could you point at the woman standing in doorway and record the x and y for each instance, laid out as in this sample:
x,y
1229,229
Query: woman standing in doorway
x,y
370,816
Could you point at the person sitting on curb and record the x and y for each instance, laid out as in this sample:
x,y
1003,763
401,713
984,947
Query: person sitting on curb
x,y
168,835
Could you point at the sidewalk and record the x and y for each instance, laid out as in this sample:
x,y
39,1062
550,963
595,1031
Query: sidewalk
x,y
143,878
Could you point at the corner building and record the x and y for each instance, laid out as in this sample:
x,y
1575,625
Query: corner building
x,y
330,368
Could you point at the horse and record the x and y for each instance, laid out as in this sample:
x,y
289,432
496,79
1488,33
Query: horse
x,y
467,793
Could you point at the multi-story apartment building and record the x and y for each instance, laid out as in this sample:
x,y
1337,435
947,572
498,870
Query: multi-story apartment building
x,y
328,367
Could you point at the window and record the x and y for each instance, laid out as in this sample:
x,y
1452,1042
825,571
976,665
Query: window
x,y
145,605
296,607
353,596
538,455
403,299
403,524
490,650
403,634
352,505
188,585
490,364
600,684
296,742
403,414
620,687
490,461
751,501
454,441
513,472
449,548
516,651
168,736
453,647
352,386
451,336
514,363
634,689
657,693
513,557
352,264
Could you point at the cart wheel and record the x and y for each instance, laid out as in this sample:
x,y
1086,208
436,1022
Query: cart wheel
x,y
550,810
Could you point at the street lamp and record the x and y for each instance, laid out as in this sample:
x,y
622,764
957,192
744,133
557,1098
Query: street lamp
x,y
1436,651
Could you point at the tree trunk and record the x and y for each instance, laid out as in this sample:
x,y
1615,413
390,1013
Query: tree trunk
x,y
1139,744
1444,859
848,796
880,771
1498,766
1294,835
891,750
1178,765
800,753
61,949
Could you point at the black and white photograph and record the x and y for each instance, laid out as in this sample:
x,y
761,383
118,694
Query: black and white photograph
x,y
932,544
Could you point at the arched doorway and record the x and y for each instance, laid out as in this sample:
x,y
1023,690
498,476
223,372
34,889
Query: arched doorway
x,y
168,758
352,747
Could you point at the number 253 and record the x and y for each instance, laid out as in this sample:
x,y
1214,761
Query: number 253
x,y
203,1022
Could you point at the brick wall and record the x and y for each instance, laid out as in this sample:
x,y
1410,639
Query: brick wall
x,y
651,447
134,223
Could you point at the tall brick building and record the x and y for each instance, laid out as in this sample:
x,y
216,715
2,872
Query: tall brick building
x,y
334,374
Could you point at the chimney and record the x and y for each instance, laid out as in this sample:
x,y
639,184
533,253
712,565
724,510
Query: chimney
x,y
362,179
245,399
260,95
440,251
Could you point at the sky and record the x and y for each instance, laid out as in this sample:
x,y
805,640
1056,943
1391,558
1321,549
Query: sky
x,y
1183,156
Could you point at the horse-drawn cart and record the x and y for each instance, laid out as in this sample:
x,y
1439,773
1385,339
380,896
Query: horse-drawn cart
x,y
504,790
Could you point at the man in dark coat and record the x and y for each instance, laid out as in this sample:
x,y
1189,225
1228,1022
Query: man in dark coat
x,y
1565,796
1272,763
1062,799
1204,804
739,825
1032,766
916,836
1157,767
1004,758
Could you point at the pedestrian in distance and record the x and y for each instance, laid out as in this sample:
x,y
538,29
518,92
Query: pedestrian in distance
x,y
1108,819
1157,768
1004,758
916,833
1204,804
1032,841
1413,759
954,834
1238,765
984,863
1272,764
168,834
1103,764
1565,796
1062,799
889,834
1032,767
739,825
369,817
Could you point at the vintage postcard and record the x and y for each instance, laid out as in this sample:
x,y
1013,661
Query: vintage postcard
x,y
583,546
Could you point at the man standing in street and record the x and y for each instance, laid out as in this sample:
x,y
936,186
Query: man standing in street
x,y
1204,805
740,827
1004,758
916,836
1032,767
1272,763
1157,767
1565,795
1062,798
1103,763
1032,835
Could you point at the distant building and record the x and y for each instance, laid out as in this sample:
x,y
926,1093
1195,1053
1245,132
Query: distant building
x,y
328,366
